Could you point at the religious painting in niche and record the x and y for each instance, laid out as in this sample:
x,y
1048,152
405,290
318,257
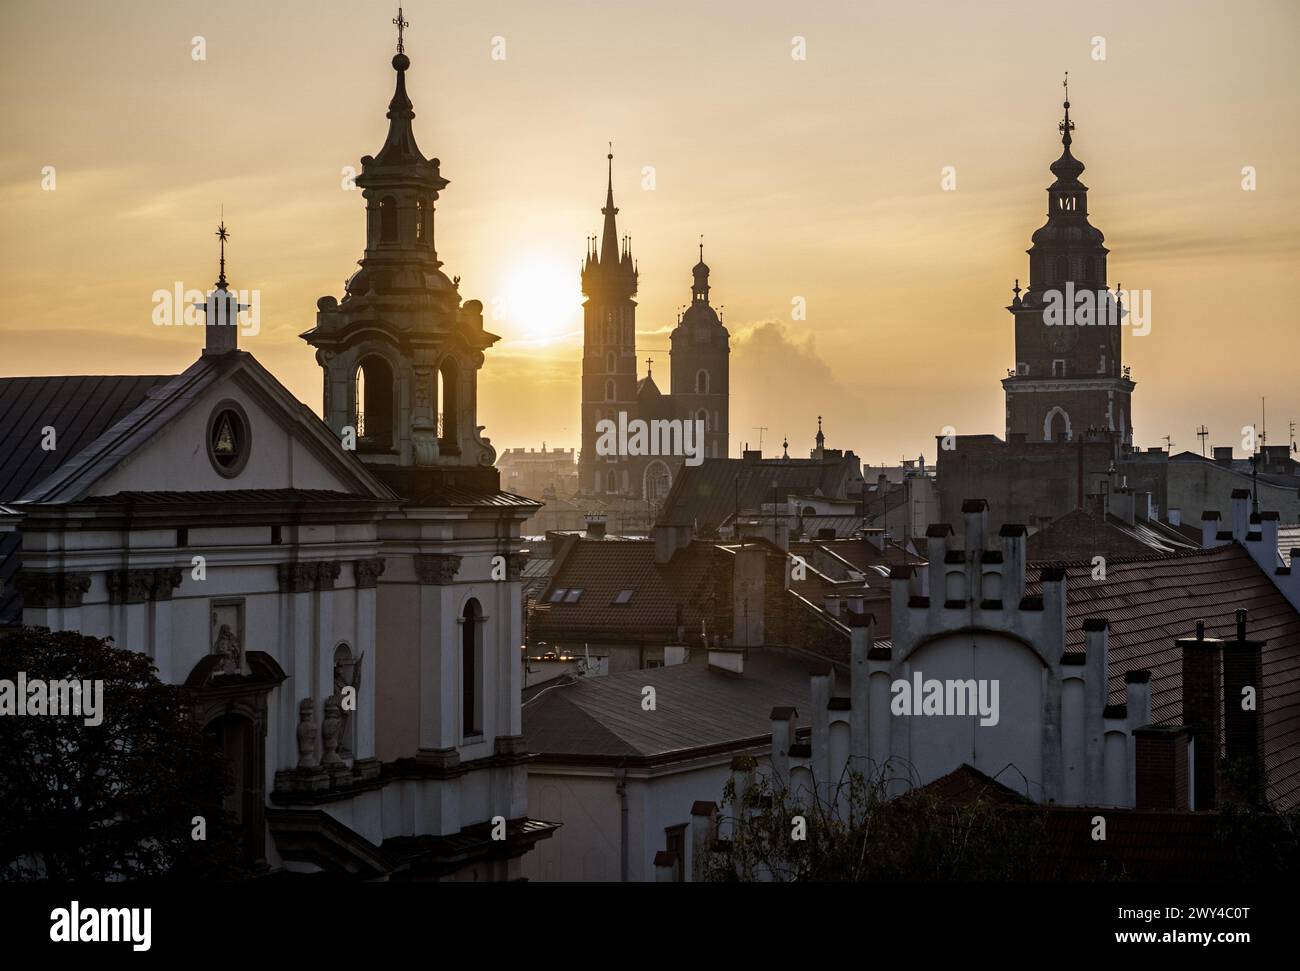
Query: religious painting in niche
x,y
227,636
228,438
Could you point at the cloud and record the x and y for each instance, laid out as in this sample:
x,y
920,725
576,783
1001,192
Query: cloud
x,y
781,381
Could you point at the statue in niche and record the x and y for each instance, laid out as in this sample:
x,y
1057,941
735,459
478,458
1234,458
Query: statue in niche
x,y
347,674
227,648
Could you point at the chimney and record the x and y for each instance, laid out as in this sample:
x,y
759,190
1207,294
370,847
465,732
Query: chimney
x,y
976,512
1268,523
1243,691
782,719
1122,503
1015,541
665,865
1142,507
1202,710
595,527
1161,767
1175,517
1223,454
832,604
669,539
1240,514
875,537
1210,528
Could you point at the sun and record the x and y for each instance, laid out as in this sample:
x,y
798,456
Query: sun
x,y
542,299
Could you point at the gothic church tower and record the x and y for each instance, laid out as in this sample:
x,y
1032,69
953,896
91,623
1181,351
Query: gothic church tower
x,y
1069,377
701,351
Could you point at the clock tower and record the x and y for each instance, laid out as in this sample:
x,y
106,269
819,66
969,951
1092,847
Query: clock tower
x,y
1069,376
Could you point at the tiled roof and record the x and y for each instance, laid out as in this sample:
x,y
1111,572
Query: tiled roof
x,y
705,494
1151,601
601,719
602,570
79,408
1081,534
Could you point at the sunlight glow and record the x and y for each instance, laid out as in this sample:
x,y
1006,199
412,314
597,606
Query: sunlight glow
x,y
541,299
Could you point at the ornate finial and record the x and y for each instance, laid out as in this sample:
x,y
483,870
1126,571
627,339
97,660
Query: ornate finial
x,y
785,448
223,236
649,366
1066,126
1016,288
610,156
701,247
401,24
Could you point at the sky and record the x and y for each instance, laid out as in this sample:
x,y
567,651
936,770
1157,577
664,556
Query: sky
x,y
819,178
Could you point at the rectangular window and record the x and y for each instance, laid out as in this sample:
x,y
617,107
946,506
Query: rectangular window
x,y
1058,368
557,595
183,536
623,596
572,596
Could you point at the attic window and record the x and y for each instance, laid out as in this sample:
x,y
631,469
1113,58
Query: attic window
x,y
622,597
557,595
572,596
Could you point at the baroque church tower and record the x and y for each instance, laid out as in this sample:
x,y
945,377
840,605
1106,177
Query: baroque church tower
x,y
400,352
700,352
609,381
1069,376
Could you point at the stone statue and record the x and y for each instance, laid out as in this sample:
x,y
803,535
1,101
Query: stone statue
x,y
227,648
307,734
330,734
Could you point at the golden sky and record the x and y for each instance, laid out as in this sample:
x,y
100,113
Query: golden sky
x,y
818,178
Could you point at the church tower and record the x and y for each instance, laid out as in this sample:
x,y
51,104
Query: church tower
x,y
609,375
400,352
1069,374
701,352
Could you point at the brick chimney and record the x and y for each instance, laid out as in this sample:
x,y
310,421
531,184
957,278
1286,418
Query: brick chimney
x,y
1243,668
1161,767
1202,710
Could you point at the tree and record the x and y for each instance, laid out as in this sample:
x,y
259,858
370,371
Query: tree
x,y
113,800
857,832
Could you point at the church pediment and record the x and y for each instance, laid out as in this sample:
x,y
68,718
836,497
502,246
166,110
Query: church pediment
x,y
224,424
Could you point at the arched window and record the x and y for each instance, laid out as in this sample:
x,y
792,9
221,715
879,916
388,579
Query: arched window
x,y
701,381
471,667
658,480
374,403
388,220
609,390
1062,269
611,362
611,481
703,417
448,406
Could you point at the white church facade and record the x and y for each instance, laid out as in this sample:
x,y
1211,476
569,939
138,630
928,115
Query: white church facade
x,y
342,597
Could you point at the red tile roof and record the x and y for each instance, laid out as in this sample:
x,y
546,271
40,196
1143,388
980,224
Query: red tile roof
x,y
1151,601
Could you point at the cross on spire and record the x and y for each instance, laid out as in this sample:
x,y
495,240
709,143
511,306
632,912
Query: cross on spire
x,y
223,236
1066,126
649,364
401,24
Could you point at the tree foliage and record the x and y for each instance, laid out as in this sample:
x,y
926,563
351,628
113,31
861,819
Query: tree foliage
x,y
115,800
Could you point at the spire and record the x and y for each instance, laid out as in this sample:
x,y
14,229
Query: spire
x,y
399,146
609,243
1067,168
221,308
700,288
821,437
